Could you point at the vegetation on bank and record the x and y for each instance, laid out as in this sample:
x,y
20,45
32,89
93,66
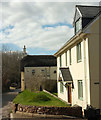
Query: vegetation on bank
x,y
38,99
10,67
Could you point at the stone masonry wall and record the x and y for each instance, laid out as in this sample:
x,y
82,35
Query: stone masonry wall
x,y
43,77
69,111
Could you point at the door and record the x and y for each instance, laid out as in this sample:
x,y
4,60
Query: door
x,y
69,93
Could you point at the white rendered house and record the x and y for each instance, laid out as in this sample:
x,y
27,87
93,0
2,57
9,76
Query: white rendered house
x,y
78,64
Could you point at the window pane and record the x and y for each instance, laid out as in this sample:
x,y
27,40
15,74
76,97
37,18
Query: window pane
x,y
33,72
78,52
61,87
78,25
60,61
80,89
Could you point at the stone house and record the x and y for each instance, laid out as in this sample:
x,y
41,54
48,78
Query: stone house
x,y
39,72
78,61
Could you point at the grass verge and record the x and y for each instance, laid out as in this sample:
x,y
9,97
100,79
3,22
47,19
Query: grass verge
x,y
38,99
56,94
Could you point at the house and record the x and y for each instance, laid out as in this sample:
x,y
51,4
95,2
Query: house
x,y
78,67
39,72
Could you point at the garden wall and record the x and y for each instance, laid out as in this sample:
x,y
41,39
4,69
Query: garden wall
x,y
69,111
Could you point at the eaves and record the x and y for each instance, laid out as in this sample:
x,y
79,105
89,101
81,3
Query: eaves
x,y
69,43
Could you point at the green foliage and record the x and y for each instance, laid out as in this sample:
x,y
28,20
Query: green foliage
x,y
10,67
37,99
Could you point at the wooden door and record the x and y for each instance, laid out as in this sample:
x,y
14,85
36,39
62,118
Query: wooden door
x,y
69,93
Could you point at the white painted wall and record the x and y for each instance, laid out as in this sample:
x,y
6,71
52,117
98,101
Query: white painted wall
x,y
87,70
78,73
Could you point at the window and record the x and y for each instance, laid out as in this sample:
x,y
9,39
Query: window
x,y
79,52
60,61
33,72
77,25
54,71
61,87
48,72
80,89
66,57
70,59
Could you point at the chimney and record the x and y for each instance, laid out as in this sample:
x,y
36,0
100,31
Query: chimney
x,y
24,51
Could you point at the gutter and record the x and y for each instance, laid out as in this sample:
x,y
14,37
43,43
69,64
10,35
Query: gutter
x,y
80,33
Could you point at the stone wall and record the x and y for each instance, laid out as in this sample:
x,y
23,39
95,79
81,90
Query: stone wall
x,y
35,83
44,77
69,111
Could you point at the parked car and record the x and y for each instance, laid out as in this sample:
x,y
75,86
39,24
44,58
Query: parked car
x,y
14,85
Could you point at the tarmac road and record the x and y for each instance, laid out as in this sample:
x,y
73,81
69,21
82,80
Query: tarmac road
x,y
21,116
6,103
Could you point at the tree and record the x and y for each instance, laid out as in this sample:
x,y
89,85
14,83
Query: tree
x,y
10,67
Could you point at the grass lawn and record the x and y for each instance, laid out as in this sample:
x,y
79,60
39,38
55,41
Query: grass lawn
x,y
38,99
56,94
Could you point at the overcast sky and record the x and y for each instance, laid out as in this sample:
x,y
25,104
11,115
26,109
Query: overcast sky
x,y
43,27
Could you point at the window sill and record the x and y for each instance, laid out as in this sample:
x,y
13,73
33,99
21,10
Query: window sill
x,y
76,32
61,92
78,61
80,99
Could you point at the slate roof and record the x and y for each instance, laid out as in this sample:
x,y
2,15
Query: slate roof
x,y
38,61
66,74
89,11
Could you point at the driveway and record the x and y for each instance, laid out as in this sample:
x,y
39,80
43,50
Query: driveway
x,y
6,102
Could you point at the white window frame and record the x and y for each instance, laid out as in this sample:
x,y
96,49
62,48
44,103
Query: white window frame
x,y
60,60
70,57
61,87
66,62
78,25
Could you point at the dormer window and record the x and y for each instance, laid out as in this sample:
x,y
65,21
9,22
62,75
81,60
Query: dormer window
x,y
84,15
78,25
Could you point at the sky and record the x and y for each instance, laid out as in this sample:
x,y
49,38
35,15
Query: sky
x,y
43,27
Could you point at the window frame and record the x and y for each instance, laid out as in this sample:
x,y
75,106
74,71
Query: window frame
x,y
33,71
79,53
54,71
80,92
70,57
78,24
60,61
66,59
61,88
